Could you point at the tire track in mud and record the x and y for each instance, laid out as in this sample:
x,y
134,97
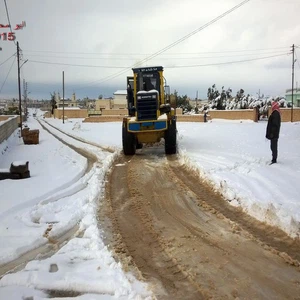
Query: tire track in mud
x,y
163,270
54,242
107,149
276,238
180,236
91,158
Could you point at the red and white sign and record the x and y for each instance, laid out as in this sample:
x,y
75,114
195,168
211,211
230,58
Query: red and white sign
x,y
10,36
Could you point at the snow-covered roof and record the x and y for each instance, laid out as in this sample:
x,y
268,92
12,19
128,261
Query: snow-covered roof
x,y
290,93
120,92
69,108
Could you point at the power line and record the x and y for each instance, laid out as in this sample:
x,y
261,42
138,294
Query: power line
x,y
144,54
7,74
7,59
75,65
186,66
8,19
193,32
161,58
191,66
176,42
227,63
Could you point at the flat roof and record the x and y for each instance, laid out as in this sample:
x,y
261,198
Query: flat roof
x,y
120,92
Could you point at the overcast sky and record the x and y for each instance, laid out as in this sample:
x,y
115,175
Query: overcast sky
x,y
109,37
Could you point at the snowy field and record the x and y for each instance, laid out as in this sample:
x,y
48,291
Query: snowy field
x,y
62,193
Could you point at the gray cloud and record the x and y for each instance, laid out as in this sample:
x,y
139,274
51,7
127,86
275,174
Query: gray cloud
x,y
137,29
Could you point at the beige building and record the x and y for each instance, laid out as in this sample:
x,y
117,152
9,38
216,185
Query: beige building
x,y
60,102
120,100
103,104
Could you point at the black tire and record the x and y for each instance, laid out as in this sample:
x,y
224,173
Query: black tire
x,y
129,141
170,138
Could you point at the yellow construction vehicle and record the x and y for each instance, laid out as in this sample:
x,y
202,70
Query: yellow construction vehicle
x,y
151,116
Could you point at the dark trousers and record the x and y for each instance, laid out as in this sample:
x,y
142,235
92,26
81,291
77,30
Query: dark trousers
x,y
274,149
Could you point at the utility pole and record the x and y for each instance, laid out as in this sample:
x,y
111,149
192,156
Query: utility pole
x,y
293,67
63,78
25,88
19,86
197,99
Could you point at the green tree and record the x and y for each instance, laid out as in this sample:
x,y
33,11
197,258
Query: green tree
x,y
183,102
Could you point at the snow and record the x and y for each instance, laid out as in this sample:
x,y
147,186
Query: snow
x,y
146,92
120,92
7,120
68,108
19,163
62,195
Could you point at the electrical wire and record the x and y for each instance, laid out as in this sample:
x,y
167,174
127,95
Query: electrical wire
x,y
161,58
7,60
8,19
192,33
7,75
75,65
145,54
174,43
228,62
166,67
202,65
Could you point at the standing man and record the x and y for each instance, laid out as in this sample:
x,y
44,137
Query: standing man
x,y
273,129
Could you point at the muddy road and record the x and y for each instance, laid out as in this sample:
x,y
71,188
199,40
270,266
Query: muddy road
x,y
173,231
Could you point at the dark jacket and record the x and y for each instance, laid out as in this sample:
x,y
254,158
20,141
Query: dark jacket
x,y
273,126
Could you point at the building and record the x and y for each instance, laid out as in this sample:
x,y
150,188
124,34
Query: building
x,y
296,96
120,99
101,104
60,102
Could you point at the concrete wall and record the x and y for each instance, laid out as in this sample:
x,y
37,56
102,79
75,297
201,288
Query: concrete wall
x,y
286,114
178,111
120,99
103,104
4,118
243,114
7,127
94,119
71,113
192,118
47,114
120,106
115,112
